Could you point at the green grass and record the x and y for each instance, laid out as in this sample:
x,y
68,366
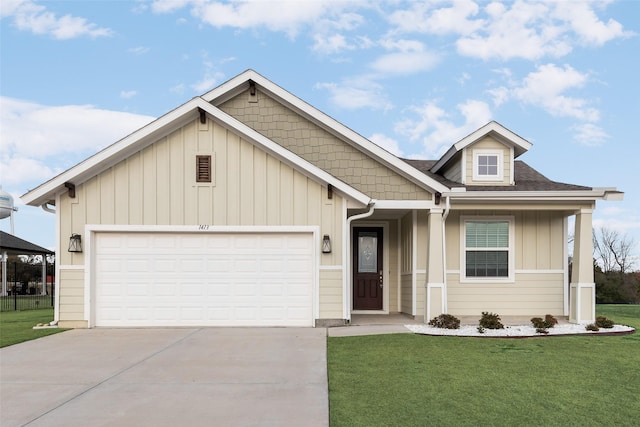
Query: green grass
x,y
412,380
17,326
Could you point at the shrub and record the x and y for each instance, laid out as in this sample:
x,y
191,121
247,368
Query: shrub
x,y
592,327
445,321
603,322
542,331
490,321
548,322
481,329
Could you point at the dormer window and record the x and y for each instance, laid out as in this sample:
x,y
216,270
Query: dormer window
x,y
488,165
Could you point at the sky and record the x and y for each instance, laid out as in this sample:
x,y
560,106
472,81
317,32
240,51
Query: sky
x,y
413,77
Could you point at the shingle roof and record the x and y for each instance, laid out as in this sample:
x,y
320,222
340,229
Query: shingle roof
x,y
18,246
526,179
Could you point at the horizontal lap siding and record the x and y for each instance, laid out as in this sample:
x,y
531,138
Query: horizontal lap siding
x,y
532,293
331,294
71,296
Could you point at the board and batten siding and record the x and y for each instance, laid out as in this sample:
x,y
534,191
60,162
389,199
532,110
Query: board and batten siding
x,y
321,148
540,274
157,186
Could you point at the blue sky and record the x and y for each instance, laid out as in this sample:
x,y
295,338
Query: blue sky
x,y
414,77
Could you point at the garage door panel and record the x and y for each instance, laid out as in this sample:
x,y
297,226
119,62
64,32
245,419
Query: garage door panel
x,y
208,279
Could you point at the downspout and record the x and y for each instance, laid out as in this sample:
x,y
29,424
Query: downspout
x,y
347,255
444,254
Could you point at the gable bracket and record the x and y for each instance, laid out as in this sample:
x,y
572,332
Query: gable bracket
x,y
203,115
72,189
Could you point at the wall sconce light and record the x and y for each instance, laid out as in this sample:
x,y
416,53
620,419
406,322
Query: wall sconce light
x,y
326,244
75,243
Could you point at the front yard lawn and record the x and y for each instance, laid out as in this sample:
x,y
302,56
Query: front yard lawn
x,y
17,326
411,380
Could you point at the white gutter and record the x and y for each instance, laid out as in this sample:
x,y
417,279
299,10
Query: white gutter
x,y
347,257
47,208
594,194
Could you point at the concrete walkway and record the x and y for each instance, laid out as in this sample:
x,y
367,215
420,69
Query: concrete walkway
x,y
167,377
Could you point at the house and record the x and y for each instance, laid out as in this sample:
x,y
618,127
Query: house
x,y
247,206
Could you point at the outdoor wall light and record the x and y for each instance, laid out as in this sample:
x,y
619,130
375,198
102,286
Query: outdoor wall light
x,y
75,243
326,244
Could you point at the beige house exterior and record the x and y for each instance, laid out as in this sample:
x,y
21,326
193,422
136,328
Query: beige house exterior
x,y
247,206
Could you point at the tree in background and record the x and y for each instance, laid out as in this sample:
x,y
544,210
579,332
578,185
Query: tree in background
x,y
615,280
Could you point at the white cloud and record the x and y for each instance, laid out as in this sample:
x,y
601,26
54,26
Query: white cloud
x,y
389,144
586,24
437,130
589,134
327,45
521,31
38,139
139,50
285,16
168,6
357,93
29,16
128,94
409,57
423,18
546,87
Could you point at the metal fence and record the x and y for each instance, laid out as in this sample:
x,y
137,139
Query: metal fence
x,y
26,289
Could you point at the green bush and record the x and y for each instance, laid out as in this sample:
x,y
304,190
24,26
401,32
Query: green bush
x,y
490,321
604,322
445,321
592,327
542,325
481,329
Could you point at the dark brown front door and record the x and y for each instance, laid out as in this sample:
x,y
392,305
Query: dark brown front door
x,y
367,268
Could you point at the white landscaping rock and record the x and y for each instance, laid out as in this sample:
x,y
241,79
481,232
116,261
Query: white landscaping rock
x,y
513,331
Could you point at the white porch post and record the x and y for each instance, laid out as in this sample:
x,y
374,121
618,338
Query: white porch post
x,y
44,275
582,292
4,274
435,292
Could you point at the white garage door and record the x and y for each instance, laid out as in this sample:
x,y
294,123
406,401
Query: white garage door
x,y
204,279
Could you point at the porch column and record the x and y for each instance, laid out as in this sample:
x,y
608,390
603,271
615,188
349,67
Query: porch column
x,y
435,292
4,274
582,292
44,275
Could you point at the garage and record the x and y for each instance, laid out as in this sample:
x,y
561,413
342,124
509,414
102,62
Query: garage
x,y
203,278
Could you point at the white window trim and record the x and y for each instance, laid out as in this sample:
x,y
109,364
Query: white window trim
x,y
480,152
463,252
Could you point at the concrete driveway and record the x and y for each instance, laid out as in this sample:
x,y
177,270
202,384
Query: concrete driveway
x,y
167,377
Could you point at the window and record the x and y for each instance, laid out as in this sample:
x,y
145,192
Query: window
x,y
487,248
487,165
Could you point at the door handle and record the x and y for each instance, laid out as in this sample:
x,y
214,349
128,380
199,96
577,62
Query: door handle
x,y
381,279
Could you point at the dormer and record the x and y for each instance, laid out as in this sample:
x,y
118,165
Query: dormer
x,y
485,157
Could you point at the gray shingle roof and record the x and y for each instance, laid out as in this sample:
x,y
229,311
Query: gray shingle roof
x,y
17,246
526,179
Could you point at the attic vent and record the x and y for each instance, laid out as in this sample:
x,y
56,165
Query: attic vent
x,y
203,168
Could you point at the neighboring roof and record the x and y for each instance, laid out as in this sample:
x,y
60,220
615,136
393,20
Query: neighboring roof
x,y
526,179
17,246
493,129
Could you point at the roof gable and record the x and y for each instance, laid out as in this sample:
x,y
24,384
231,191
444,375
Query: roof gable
x,y
164,125
243,81
492,129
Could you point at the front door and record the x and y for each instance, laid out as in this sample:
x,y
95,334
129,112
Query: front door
x,y
367,268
